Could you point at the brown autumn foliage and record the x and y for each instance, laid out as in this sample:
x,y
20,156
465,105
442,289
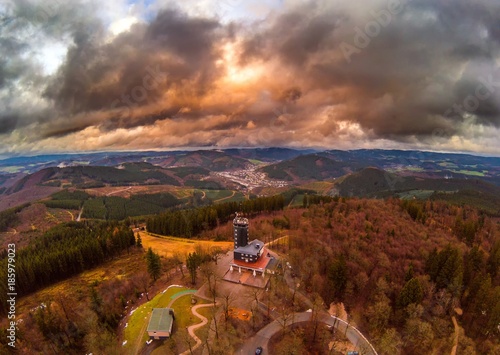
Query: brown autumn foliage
x,y
400,268
376,257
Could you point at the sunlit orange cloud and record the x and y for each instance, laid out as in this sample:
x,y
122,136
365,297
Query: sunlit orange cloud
x,y
284,79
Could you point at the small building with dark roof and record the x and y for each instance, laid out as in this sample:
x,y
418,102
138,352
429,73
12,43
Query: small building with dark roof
x,y
249,253
161,323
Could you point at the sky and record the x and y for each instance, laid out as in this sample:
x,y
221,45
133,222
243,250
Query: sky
x,y
86,75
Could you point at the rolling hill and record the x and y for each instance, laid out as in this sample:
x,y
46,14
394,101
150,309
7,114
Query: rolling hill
x,y
306,168
212,160
376,183
268,154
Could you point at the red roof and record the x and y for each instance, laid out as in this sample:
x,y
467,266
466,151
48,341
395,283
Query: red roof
x,y
261,263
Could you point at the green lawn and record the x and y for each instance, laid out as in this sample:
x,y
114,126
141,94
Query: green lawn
x,y
238,196
297,201
220,196
183,319
420,194
217,194
447,164
414,168
321,187
137,323
11,169
469,172
139,319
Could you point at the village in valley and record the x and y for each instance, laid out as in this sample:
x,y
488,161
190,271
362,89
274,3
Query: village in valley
x,y
250,178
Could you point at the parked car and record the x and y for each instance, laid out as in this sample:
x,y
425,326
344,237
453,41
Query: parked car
x,y
259,350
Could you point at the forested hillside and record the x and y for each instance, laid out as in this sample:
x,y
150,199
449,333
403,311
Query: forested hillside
x,y
402,269
64,251
188,223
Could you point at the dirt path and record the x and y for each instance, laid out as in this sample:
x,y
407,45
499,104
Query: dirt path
x,y
192,328
455,342
51,216
79,215
14,231
71,214
459,312
225,198
117,191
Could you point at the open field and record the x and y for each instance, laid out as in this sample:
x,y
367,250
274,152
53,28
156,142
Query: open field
x,y
169,246
33,220
218,196
270,190
215,195
11,169
321,187
127,191
26,195
419,194
58,215
297,200
79,285
469,172
235,197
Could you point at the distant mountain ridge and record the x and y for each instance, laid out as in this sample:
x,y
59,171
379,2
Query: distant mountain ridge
x,y
307,167
367,173
373,182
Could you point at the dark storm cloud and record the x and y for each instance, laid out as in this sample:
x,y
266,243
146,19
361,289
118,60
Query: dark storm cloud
x,y
406,77
294,36
174,52
24,25
417,75
7,123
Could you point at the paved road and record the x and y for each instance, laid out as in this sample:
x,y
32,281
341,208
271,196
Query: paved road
x,y
263,336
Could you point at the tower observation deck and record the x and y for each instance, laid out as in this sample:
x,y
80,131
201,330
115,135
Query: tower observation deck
x,y
248,252
240,226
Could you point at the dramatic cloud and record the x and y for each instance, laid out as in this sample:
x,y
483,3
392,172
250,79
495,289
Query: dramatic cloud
x,y
407,74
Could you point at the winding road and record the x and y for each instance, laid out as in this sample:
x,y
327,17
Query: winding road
x,y
266,333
